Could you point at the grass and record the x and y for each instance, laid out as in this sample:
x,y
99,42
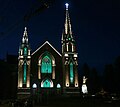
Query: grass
x,y
79,102
72,102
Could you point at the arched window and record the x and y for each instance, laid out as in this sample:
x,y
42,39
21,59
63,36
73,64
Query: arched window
x,y
25,50
71,73
70,47
25,71
47,83
46,66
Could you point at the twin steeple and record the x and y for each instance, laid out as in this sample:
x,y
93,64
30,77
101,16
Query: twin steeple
x,y
68,63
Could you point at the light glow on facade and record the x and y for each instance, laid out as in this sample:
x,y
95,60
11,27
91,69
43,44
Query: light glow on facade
x,y
67,78
75,55
76,79
58,86
66,28
66,55
34,85
23,40
53,72
28,57
28,85
76,84
28,52
67,47
20,84
53,62
21,52
72,48
74,58
39,76
67,84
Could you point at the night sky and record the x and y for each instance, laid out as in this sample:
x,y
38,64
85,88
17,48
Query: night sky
x,y
95,26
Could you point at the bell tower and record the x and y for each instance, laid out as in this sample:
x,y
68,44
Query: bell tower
x,y
24,60
69,58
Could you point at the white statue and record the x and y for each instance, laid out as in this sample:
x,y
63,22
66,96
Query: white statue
x,y
84,87
84,80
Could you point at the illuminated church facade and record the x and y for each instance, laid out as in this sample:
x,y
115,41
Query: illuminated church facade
x,y
46,69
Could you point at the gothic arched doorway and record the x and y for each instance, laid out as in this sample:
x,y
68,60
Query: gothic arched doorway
x,y
47,83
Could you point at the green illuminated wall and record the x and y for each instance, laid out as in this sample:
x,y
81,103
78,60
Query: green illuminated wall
x,y
24,74
46,66
71,73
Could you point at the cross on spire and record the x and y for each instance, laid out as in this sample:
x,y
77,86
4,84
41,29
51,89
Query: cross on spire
x,y
67,22
66,6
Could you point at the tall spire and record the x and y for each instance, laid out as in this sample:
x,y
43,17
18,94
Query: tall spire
x,y
69,57
67,21
25,36
67,38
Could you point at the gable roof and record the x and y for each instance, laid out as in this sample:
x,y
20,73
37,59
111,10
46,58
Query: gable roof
x,y
49,45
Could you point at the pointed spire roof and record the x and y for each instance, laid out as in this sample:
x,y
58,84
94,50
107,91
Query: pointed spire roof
x,y
25,36
67,29
67,21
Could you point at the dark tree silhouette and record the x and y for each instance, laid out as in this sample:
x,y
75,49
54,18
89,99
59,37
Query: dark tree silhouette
x,y
86,70
117,74
108,81
94,83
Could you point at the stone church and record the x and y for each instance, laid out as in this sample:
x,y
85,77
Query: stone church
x,y
46,69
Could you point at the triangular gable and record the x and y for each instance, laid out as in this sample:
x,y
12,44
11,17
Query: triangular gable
x,y
49,45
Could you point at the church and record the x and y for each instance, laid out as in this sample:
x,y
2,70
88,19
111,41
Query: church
x,y
46,69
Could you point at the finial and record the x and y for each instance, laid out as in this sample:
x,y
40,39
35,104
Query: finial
x,y
25,28
66,4
25,31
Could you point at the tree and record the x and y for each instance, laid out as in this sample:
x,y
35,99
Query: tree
x,y
109,78
117,74
86,70
94,82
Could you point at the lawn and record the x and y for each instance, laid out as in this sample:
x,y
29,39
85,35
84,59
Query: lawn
x,y
71,102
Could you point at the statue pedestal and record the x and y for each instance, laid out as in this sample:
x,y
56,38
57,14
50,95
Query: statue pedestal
x,y
84,89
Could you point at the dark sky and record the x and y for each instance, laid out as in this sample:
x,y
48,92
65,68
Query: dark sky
x,y
95,26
